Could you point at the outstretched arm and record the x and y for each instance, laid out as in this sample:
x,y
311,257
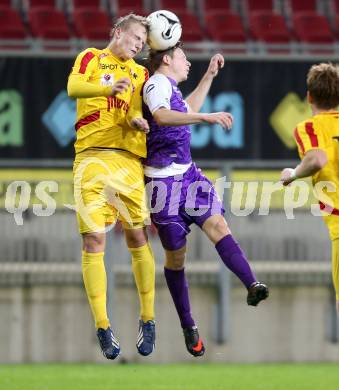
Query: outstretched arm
x,y
313,161
166,117
197,97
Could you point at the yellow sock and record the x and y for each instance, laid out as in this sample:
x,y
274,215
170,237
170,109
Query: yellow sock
x,y
144,275
94,275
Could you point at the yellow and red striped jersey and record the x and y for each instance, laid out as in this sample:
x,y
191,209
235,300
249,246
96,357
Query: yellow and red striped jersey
x,y
103,120
322,132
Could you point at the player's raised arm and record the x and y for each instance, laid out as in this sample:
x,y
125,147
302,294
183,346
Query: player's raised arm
x,y
157,95
197,97
165,117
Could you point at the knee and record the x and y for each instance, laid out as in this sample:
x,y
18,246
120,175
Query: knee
x,y
175,261
94,242
216,228
136,238
220,227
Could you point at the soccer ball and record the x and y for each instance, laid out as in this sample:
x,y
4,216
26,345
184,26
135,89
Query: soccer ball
x,y
164,30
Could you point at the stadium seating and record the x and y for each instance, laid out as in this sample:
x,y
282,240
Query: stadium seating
x,y
259,5
215,22
213,5
310,27
91,24
47,23
192,31
78,4
28,4
334,8
268,27
127,10
124,7
302,5
11,26
172,4
336,26
129,3
118,5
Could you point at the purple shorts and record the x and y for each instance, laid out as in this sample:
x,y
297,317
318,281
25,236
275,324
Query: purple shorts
x,y
178,201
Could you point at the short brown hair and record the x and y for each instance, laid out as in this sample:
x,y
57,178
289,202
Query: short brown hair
x,y
125,21
323,85
155,56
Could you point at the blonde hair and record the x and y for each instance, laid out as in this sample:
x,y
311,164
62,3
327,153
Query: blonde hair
x,y
323,85
125,21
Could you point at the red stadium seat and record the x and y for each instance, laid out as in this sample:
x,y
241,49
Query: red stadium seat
x,y
5,3
337,28
119,4
136,10
11,26
268,27
302,5
311,27
92,24
86,4
192,30
216,23
259,5
335,7
173,4
130,3
41,3
213,5
48,23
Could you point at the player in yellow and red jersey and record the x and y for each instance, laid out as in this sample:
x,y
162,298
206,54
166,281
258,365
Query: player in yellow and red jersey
x,y
318,144
108,175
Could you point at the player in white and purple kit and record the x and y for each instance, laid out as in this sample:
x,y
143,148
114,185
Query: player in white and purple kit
x,y
179,193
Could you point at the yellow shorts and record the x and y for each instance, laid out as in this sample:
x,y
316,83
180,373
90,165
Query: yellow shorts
x,y
109,186
335,266
332,222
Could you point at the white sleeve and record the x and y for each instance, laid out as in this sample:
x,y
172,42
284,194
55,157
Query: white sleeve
x,y
157,92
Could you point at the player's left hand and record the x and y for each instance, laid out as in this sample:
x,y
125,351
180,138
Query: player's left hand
x,y
217,62
287,176
140,124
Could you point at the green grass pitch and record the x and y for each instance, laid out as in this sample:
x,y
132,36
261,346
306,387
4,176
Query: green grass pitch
x,y
170,377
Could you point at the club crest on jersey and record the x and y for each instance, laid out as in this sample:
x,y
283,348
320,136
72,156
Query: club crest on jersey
x,y
107,79
134,75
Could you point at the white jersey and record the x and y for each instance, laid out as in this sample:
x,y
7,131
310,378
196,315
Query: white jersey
x,y
157,94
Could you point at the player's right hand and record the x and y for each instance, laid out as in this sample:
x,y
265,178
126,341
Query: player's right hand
x,y
140,124
224,119
287,176
121,86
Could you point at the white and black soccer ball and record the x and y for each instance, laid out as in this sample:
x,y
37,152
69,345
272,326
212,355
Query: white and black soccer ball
x,y
164,30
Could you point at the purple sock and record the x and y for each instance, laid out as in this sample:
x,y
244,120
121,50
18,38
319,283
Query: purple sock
x,y
178,286
235,259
